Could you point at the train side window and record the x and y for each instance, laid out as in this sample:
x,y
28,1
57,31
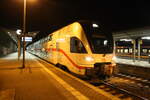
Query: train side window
x,y
149,51
130,50
50,37
118,50
144,50
126,50
121,50
136,50
76,46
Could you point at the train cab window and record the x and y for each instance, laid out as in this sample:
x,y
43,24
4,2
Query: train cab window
x,y
76,46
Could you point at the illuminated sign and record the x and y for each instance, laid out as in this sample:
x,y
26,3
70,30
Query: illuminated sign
x,y
127,40
147,38
27,39
95,25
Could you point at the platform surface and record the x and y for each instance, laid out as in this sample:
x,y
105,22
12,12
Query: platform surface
x,y
131,62
42,81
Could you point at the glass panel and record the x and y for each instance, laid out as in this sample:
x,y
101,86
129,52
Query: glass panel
x,y
100,41
76,46
118,50
144,50
130,50
121,50
126,50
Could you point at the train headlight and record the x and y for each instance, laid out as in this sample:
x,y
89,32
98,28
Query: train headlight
x,y
89,58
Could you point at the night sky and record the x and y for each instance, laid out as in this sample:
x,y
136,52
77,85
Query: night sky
x,y
114,15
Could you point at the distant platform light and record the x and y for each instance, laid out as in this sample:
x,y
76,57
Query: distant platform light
x,y
146,38
18,32
105,42
95,25
126,40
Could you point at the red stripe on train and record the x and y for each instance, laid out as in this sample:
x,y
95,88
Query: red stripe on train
x,y
60,50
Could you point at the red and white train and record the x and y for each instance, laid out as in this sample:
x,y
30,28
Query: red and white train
x,y
81,47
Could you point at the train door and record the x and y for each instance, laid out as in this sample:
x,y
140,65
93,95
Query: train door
x,y
50,48
58,46
77,49
57,51
50,52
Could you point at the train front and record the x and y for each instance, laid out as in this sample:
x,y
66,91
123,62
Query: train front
x,y
101,46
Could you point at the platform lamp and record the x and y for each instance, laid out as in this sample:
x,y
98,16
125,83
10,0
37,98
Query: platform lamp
x,y
24,29
24,32
19,42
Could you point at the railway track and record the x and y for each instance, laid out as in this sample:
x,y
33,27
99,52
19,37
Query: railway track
x,y
125,87
117,91
122,93
141,81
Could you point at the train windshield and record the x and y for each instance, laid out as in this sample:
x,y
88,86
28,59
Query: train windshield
x,y
100,42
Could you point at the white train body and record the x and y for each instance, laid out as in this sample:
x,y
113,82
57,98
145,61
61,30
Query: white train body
x,y
70,46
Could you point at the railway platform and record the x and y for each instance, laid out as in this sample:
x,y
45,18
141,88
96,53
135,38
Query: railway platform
x,y
40,80
139,63
134,68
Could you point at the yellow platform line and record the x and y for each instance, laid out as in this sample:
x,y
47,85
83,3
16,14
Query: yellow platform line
x,y
73,91
101,92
